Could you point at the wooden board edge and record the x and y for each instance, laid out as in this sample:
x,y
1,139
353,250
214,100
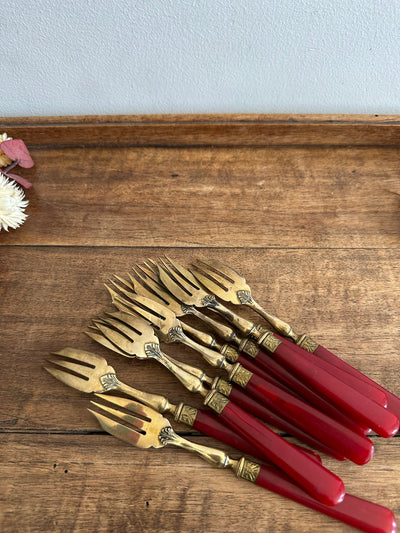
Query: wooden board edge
x,y
203,130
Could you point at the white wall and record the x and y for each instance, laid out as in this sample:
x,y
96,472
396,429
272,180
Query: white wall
x,y
67,57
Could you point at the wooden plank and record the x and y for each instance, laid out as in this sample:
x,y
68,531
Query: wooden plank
x,y
198,130
95,483
305,197
347,299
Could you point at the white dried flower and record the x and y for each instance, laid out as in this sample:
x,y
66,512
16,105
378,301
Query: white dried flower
x,y
4,137
12,204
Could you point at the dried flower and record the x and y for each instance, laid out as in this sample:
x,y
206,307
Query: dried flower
x,y
4,160
12,204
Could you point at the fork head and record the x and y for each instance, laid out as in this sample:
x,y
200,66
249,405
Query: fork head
x,y
92,373
143,428
222,281
124,333
181,283
147,283
162,318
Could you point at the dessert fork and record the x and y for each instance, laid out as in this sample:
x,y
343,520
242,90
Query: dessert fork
x,y
231,286
127,335
324,485
326,430
100,378
178,280
360,407
145,428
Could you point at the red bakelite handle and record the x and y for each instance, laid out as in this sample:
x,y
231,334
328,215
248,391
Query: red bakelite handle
x,y
318,481
253,407
364,388
291,384
326,355
355,447
356,512
212,426
362,408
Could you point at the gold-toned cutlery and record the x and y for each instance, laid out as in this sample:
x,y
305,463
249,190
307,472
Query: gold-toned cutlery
x,y
318,374
100,377
328,431
132,337
229,285
143,427
325,486
146,282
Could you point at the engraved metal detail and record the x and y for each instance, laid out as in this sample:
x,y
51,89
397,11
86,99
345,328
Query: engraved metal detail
x,y
152,349
223,387
250,347
230,352
216,401
244,297
270,342
209,301
187,309
307,343
248,470
241,376
109,381
186,415
176,334
166,435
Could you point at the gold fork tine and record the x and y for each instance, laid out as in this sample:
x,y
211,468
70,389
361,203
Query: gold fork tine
x,y
183,273
210,284
64,377
74,367
116,338
219,268
105,342
214,275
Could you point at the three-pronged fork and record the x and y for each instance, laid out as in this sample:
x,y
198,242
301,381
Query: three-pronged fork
x,y
128,335
325,486
143,427
326,430
236,290
181,281
360,407
99,377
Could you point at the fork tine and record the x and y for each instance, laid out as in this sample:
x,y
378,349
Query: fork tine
x,y
123,281
210,284
184,275
130,404
121,325
116,338
120,431
219,279
219,268
124,290
81,355
177,288
105,342
150,288
135,421
68,379
133,307
74,367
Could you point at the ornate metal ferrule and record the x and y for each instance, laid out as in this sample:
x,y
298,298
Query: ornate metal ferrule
x,y
307,343
245,297
216,401
109,382
246,469
186,414
270,342
249,347
230,353
222,386
175,334
152,349
240,375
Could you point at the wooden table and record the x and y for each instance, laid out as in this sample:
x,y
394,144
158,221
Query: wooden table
x,y
306,207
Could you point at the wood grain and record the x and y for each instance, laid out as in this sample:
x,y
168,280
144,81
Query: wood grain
x,y
306,207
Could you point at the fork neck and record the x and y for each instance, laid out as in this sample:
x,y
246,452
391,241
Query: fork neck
x,y
212,357
242,324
